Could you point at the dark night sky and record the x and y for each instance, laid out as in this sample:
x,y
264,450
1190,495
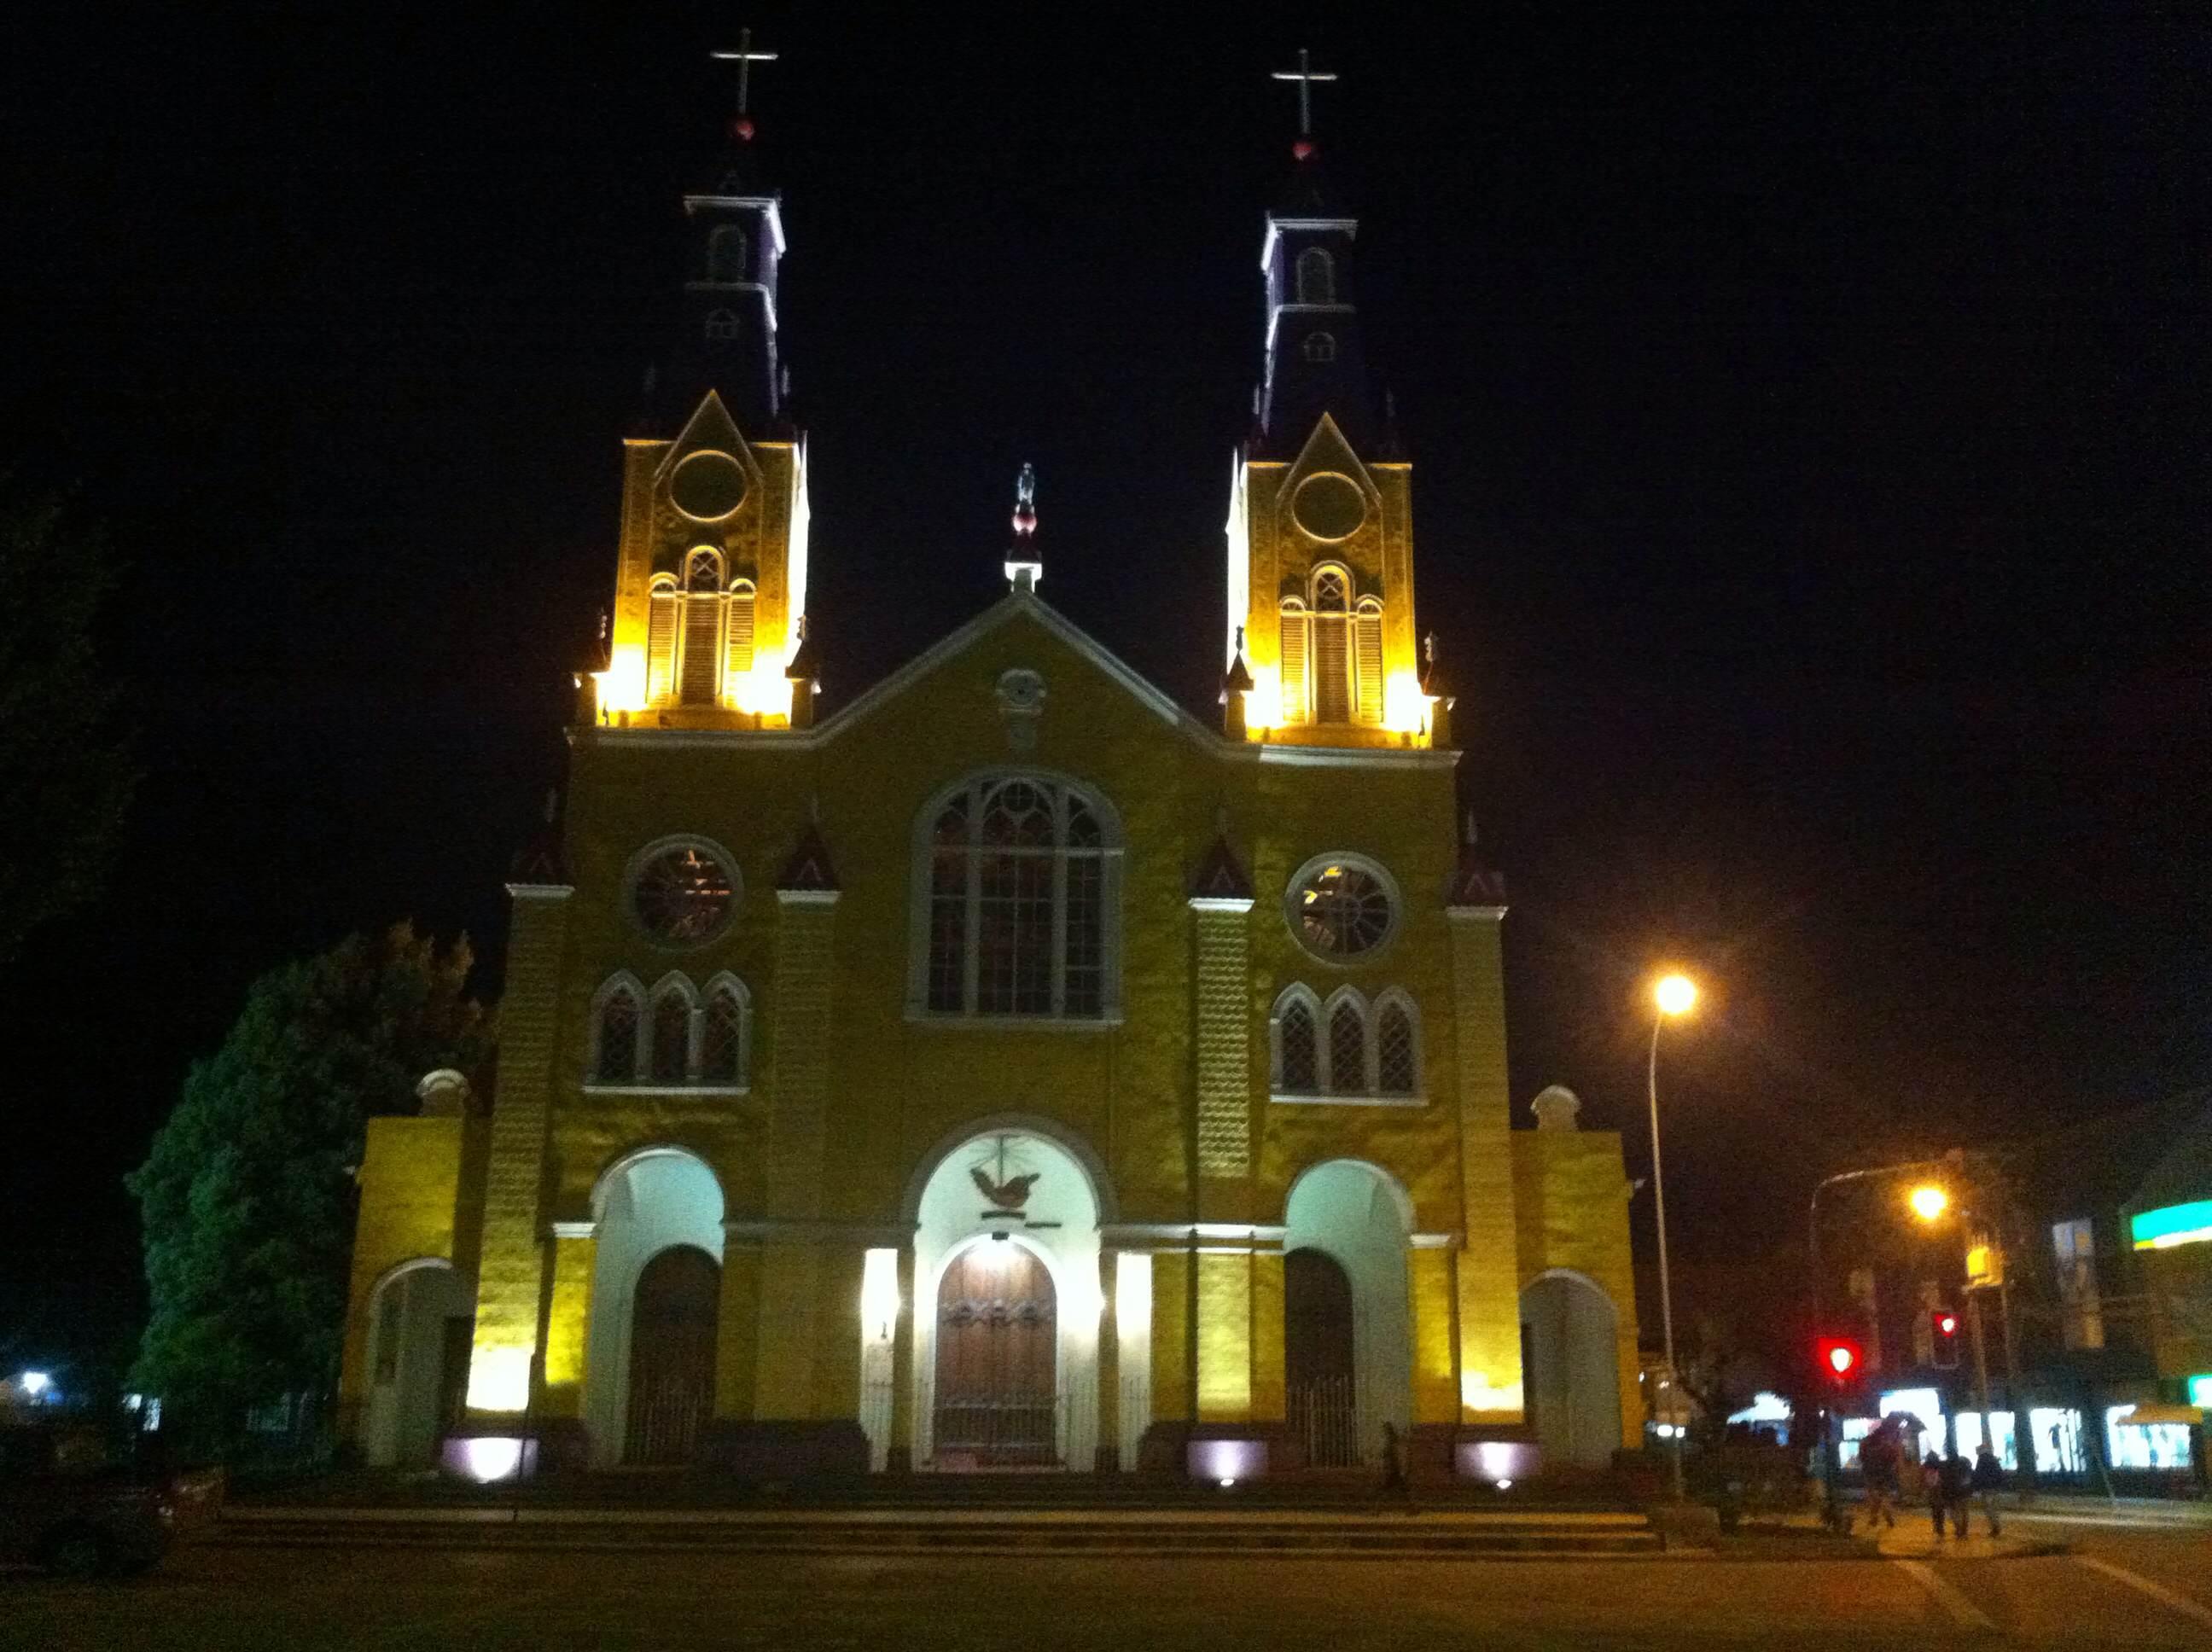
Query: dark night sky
x,y
1811,490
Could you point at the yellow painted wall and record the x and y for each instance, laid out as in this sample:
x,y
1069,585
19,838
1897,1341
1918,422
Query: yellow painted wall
x,y
1570,1195
410,1182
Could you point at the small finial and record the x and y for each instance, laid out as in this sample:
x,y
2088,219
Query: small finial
x,y
1025,569
552,804
1025,502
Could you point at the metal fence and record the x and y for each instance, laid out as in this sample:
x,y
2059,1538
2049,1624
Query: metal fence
x,y
1326,1417
997,1431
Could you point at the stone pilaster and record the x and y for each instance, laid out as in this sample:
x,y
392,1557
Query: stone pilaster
x,y
511,1282
798,1119
1223,1030
900,1458
1110,1362
1490,1377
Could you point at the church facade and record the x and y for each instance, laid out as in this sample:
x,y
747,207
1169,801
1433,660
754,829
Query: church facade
x,y
1011,1069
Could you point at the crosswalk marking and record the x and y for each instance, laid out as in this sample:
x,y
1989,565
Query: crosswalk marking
x,y
1963,1612
2159,1592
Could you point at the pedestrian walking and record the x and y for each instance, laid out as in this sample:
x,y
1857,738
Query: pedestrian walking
x,y
1393,1465
1881,1458
1954,1482
1989,1480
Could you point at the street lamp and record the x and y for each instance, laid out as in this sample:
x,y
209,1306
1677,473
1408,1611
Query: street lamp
x,y
1674,994
1929,1202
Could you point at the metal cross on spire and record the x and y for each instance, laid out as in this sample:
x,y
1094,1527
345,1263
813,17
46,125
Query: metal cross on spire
x,y
1305,75
745,57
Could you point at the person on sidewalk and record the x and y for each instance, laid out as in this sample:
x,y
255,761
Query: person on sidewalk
x,y
1954,1485
1395,1484
1989,1480
1880,1460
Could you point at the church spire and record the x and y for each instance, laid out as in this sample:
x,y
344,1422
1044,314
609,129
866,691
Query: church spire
x,y
726,338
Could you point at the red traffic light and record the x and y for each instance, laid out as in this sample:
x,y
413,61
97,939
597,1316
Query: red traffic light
x,y
1839,1357
1947,1325
1944,1321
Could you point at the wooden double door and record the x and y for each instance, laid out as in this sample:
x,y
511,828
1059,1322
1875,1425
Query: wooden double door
x,y
674,1323
997,1402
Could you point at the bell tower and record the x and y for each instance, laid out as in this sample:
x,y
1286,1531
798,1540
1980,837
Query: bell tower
x,y
1320,553
710,584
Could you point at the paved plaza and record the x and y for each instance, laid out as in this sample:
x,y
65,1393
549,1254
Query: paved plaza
x,y
2121,1585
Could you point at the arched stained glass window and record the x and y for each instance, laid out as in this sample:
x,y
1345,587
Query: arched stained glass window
x,y
1397,1067
670,1052
723,1036
1347,1046
1018,873
1299,1058
616,1037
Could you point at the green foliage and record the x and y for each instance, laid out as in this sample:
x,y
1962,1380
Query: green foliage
x,y
65,769
247,1197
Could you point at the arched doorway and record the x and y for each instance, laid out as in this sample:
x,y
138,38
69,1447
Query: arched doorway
x,y
1320,1367
998,1360
1571,1362
671,1355
1006,1300
420,1322
1357,1218
648,1204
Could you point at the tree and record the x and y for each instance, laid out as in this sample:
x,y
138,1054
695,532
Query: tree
x,y
247,1196
65,769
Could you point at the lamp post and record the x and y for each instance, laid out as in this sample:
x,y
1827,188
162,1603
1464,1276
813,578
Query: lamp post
x,y
1674,994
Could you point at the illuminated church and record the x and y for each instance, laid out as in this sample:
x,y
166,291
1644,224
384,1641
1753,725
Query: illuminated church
x,y
1012,1069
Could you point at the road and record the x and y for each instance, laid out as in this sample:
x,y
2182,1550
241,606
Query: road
x,y
2126,1585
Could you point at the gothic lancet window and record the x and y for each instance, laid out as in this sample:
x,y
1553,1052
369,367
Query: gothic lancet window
x,y
1316,277
700,679
725,1033
1397,1046
1297,1050
1018,913
668,1056
1347,1046
1346,1050
615,1055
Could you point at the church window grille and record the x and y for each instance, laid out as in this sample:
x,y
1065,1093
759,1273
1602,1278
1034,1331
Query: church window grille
x,y
725,1034
683,892
1397,1048
1331,646
725,254
669,1059
1317,281
1018,875
1347,1046
1320,347
722,325
616,1036
1367,659
1297,1048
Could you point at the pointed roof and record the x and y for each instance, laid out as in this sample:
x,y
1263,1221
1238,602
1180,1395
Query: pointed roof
x,y
1220,875
542,860
1475,882
808,869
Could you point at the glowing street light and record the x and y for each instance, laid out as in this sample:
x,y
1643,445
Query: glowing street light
x,y
1673,993
1929,1202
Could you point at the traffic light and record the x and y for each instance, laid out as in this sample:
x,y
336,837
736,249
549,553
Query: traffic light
x,y
1839,1359
1944,1322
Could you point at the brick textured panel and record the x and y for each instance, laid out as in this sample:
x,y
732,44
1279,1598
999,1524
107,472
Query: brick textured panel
x,y
799,1116
1223,1030
1489,1298
513,1271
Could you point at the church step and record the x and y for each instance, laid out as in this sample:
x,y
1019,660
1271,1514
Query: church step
x,y
1441,1535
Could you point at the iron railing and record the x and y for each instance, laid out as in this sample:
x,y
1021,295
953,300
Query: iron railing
x,y
1326,1415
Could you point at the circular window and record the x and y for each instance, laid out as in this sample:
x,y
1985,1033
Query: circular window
x,y
684,892
1328,505
1341,907
708,486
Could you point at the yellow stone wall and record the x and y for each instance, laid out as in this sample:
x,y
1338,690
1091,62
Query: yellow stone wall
x,y
1571,1196
411,1176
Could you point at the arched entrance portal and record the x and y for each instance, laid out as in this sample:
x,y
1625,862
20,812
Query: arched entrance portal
x,y
998,1363
1006,1304
420,1322
1320,1363
1568,1334
1355,1219
655,1204
671,1355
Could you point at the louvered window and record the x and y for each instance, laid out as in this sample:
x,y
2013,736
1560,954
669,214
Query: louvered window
x,y
1332,664
703,628
660,645
1367,627
741,628
1316,277
1296,627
